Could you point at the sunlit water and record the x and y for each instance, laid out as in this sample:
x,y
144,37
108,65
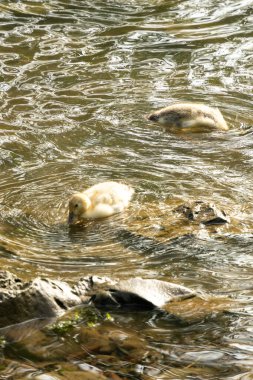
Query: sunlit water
x,y
77,79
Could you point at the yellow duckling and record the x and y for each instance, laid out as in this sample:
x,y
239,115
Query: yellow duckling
x,y
99,201
189,115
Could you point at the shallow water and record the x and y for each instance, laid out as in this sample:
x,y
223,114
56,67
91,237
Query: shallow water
x,y
76,80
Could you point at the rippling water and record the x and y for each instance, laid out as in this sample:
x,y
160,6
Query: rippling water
x,y
76,80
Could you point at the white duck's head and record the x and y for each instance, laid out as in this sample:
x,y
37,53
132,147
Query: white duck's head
x,y
78,205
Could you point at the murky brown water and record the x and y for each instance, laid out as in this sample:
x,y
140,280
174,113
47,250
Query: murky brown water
x,y
76,79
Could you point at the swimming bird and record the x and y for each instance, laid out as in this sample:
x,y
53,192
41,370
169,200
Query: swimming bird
x,y
99,201
189,115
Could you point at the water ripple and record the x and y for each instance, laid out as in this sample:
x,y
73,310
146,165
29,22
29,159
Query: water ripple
x,y
76,81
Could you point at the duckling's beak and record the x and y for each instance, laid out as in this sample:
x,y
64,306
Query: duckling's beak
x,y
153,117
71,218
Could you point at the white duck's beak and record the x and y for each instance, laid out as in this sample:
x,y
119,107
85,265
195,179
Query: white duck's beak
x,y
153,117
71,218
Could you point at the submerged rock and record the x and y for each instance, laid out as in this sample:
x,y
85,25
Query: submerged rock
x,y
202,213
148,245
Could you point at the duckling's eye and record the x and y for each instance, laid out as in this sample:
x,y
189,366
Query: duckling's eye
x,y
76,205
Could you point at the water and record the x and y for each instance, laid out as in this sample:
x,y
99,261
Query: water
x,y
76,80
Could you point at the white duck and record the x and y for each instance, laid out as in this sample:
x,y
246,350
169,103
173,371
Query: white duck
x,y
187,115
99,201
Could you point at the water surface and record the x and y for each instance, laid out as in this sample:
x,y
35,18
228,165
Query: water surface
x,y
76,80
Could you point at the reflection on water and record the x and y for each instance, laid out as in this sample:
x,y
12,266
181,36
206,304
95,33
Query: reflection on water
x,y
76,80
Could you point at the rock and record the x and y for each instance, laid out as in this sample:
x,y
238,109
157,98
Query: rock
x,y
149,245
110,341
141,294
40,298
45,298
9,285
202,213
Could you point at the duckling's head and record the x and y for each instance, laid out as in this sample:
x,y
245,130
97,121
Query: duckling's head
x,y
153,117
78,205
162,117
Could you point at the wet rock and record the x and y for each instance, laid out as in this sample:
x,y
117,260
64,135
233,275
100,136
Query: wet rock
x,y
193,310
202,213
46,298
84,351
39,298
141,294
9,285
111,343
149,245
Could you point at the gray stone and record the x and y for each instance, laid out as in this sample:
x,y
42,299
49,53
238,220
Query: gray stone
x,y
141,293
45,298
20,301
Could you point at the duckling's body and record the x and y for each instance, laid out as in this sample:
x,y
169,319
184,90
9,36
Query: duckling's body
x,y
189,115
99,201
